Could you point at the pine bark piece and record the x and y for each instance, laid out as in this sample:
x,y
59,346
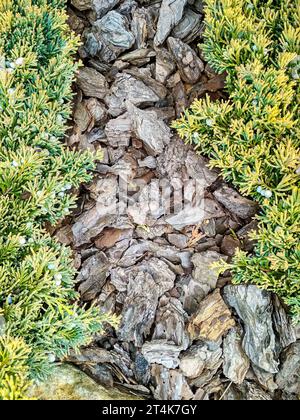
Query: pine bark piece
x,y
82,5
164,65
235,203
236,363
154,133
189,64
147,282
189,28
283,324
119,131
139,309
127,87
170,14
163,352
170,384
92,276
92,83
158,88
288,378
212,320
170,322
204,274
101,7
92,222
113,35
254,307
140,27
200,361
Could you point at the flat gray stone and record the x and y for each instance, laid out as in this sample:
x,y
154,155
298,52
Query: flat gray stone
x,y
236,363
170,14
254,307
69,383
127,87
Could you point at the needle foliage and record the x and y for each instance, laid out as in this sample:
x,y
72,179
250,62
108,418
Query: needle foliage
x,y
37,173
253,137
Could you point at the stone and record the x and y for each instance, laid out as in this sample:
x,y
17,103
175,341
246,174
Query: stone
x,y
162,352
169,384
189,64
101,7
212,320
235,203
236,363
282,323
92,83
254,307
189,28
68,383
288,378
170,14
92,276
153,132
112,31
139,27
127,87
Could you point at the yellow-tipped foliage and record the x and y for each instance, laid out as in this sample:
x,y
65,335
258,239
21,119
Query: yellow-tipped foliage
x,y
37,174
253,138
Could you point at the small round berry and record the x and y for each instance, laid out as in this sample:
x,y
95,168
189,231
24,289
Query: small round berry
x,y
51,357
268,194
22,240
19,61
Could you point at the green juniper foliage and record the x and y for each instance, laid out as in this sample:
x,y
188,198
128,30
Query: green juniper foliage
x,y
254,136
37,174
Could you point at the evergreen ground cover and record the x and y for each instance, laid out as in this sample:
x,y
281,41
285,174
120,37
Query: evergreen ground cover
x,y
37,174
253,137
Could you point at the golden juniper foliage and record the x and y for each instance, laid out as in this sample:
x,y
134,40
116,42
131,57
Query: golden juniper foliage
x,y
37,174
254,136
